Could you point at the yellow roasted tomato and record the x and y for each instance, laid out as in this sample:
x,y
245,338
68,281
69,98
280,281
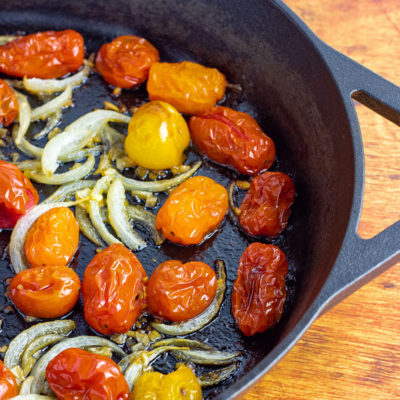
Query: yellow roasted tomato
x,y
181,384
157,136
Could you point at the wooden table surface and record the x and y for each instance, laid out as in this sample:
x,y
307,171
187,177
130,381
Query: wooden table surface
x,y
353,351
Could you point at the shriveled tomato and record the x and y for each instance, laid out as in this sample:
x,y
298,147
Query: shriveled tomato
x,y
259,292
125,62
191,88
178,291
193,210
181,384
17,195
232,138
265,208
77,374
157,136
43,55
113,290
53,238
8,384
45,292
8,104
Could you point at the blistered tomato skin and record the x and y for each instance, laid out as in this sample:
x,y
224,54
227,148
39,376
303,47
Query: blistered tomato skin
x,y
8,384
265,208
125,62
52,239
233,138
17,195
45,55
76,374
8,104
113,290
191,88
192,211
157,136
178,292
45,292
259,292
181,384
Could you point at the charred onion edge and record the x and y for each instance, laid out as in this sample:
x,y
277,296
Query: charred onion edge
x,y
216,376
182,342
194,324
86,226
18,345
206,357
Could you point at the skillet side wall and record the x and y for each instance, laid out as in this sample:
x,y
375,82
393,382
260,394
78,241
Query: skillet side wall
x,y
292,94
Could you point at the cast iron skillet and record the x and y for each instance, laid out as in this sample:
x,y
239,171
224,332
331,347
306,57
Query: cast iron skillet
x,y
300,92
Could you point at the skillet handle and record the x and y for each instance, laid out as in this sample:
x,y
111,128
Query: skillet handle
x,y
361,260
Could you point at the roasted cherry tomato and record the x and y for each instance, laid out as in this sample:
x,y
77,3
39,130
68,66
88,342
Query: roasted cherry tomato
x,y
193,210
178,291
45,292
43,55
191,88
259,292
53,238
265,208
77,374
17,195
125,62
181,384
113,290
157,136
8,104
8,384
233,138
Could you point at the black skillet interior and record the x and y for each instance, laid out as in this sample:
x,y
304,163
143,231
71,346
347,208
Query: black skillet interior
x,y
289,91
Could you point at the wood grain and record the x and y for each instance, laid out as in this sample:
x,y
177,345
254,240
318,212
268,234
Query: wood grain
x,y
353,351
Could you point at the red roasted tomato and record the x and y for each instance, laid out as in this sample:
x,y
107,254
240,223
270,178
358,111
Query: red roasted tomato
x,y
76,374
125,62
43,55
178,291
265,208
232,138
8,384
113,290
45,292
259,292
8,104
193,210
53,238
17,195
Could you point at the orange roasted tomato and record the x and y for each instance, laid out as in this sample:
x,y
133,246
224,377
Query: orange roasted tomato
x,y
232,138
53,238
77,374
113,290
45,292
43,55
8,104
125,62
17,195
191,88
8,384
193,210
265,208
178,291
259,292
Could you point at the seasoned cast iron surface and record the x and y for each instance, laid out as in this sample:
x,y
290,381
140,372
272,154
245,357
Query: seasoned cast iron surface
x,y
227,244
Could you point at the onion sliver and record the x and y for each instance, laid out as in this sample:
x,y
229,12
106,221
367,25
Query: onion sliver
x,y
26,386
6,39
22,340
17,241
118,217
86,226
216,376
36,85
52,121
68,190
32,397
182,342
74,174
194,324
39,370
52,106
206,357
77,135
